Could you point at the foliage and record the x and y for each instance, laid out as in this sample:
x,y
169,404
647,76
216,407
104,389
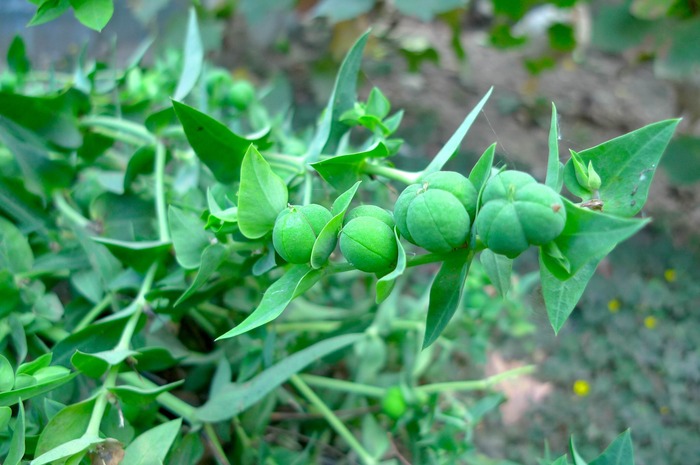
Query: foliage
x,y
140,229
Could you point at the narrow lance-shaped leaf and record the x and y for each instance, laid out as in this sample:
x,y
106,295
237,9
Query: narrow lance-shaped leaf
x,y
554,167
328,237
342,98
578,460
17,443
619,452
446,152
138,255
626,166
227,403
481,171
212,258
276,298
189,237
14,396
193,57
560,297
386,283
498,268
141,396
342,171
261,196
446,294
215,144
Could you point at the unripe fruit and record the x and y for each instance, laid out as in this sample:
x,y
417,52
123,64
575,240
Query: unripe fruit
x,y
393,403
517,212
242,94
296,229
369,244
437,213
379,213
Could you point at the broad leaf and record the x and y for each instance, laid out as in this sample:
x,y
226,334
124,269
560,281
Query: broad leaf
x,y
68,424
230,402
261,196
48,11
588,236
449,149
385,284
328,237
342,171
17,443
626,166
94,14
619,452
212,257
7,375
137,255
193,58
481,171
560,297
15,254
215,144
295,281
66,450
343,97
189,237
152,446
498,268
446,294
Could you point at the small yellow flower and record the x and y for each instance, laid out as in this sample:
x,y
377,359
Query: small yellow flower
x,y
664,410
650,322
614,306
581,388
670,275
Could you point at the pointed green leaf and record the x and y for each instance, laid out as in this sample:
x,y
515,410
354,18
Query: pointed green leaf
x,y
15,254
227,403
16,452
481,171
17,59
261,196
212,257
343,97
386,283
94,14
342,171
276,298
560,297
574,453
449,149
328,237
14,396
5,416
35,365
215,144
96,364
588,236
141,396
151,447
553,178
48,11
619,452
189,237
626,166
68,424
193,57
137,255
499,269
446,294
7,375
66,450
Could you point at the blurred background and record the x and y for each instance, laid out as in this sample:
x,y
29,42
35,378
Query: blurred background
x,y
630,355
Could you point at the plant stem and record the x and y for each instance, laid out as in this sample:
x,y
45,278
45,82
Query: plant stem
x,y
93,313
406,177
123,129
93,429
308,186
477,384
295,326
219,453
159,170
342,385
68,211
333,420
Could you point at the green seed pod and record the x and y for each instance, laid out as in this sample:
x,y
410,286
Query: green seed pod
x,y
393,403
379,213
242,94
518,212
369,244
296,229
437,213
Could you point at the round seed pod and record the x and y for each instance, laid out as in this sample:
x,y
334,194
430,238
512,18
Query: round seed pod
x,y
242,94
437,213
296,230
374,211
369,244
517,212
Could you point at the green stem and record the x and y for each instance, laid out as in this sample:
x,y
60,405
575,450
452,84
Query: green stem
x,y
406,177
308,186
68,211
93,313
160,192
138,305
132,132
167,400
342,385
333,420
93,429
215,444
296,326
476,385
